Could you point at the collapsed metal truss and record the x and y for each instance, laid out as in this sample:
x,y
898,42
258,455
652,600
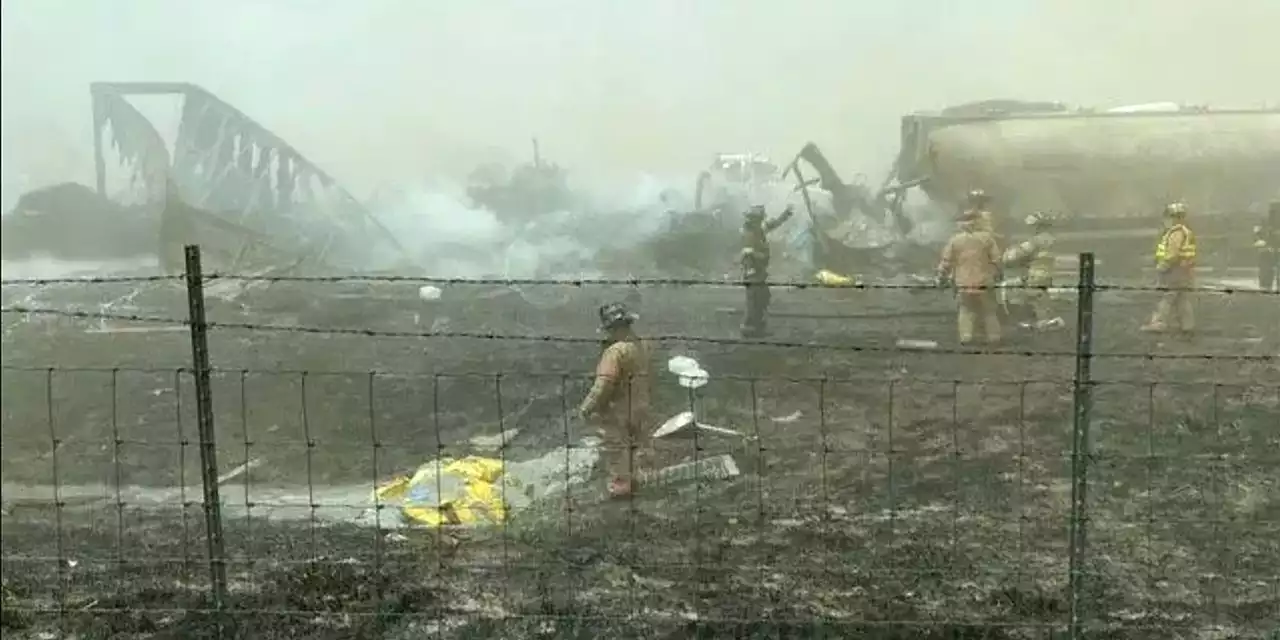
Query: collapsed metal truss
x,y
235,169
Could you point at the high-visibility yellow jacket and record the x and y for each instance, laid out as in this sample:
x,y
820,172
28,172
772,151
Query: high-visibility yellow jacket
x,y
1177,248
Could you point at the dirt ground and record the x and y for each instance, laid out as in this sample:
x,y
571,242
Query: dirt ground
x,y
890,494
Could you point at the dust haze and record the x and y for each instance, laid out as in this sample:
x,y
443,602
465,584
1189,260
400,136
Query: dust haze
x,y
396,90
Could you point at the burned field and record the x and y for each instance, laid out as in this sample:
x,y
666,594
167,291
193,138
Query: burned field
x,y
884,493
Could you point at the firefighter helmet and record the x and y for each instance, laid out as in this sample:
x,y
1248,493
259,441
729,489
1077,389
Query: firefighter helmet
x,y
615,315
1176,210
1041,219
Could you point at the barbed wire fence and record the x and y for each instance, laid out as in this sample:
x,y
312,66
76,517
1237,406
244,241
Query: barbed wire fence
x,y
960,513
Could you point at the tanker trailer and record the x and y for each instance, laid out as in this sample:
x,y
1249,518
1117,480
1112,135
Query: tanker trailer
x,y
1107,173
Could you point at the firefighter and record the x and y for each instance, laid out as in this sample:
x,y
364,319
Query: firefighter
x,y
618,403
1175,265
1036,255
970,261
755,266
1266,239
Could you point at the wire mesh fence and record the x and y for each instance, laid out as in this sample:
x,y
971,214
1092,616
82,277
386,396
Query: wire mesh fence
x,y
888,499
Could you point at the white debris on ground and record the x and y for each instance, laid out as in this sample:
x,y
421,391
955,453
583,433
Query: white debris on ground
x,y
683,424
721,467
689,372
494,442
917,344
429,293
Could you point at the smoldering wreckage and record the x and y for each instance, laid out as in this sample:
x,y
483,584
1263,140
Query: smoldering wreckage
x,y
257,207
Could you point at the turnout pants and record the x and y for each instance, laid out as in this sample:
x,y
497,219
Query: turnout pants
x,y
1269,270
977,309
1038,299
757,306
626,447
1175,310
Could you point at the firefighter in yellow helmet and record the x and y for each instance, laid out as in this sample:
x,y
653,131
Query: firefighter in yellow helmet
x,y
1035,254
618,403
970,260
1175,264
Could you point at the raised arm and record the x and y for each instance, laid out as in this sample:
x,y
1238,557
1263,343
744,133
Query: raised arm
x,y
608,372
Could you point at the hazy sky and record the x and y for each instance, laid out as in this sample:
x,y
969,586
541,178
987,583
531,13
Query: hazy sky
x,y
393,90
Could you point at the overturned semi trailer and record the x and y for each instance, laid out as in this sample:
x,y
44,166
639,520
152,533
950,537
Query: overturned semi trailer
x,y
1109,173
243,193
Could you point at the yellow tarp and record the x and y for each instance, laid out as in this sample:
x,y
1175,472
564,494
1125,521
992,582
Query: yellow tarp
x,y
449,492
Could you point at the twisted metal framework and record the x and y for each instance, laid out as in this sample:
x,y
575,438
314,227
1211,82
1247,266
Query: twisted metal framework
x,y
234,169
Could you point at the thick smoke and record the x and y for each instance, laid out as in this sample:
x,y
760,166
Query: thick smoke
x,y
397,90
449,236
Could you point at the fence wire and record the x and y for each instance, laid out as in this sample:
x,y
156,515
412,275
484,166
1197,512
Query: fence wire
x,y
855,506
879,498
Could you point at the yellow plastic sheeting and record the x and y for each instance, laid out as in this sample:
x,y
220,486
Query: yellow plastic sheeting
x,y
833,279
449,492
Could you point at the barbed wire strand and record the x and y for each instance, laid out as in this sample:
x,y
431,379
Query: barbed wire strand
x,y
887,379
662,339
615,282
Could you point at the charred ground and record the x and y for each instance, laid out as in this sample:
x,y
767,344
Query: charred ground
x,y
891,494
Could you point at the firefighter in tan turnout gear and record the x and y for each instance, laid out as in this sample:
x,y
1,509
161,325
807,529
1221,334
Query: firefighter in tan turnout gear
x,y
755,266
970,260
618,402
1175,265
1035,254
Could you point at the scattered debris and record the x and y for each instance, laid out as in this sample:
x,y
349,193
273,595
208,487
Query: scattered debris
x,y
690,373
449,492
830,278
240,470
679,425
478,491
494,442
917,344
789,418
429,293
721,467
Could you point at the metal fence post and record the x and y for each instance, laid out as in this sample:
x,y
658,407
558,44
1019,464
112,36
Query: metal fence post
x,y
1080,442
204,417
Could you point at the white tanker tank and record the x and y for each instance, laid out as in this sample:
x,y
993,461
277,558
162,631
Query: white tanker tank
x,y
1105,171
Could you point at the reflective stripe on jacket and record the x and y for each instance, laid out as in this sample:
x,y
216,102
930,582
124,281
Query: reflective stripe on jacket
x,y
1185,248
